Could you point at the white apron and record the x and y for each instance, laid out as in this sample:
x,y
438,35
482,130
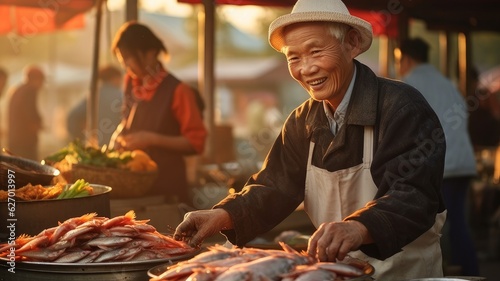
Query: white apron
x,y
332,196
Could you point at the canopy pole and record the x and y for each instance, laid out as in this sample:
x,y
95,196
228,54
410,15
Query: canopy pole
x,y
464,56
93,98
444,53
383,56
131,10
206,61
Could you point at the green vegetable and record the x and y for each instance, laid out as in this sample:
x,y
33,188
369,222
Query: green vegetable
x,y
58,156
77,152
75,190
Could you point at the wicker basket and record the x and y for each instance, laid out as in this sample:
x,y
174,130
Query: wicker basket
x,y
125,184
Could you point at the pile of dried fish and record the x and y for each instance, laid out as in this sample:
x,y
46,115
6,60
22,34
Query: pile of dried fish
x,y
90,238
223,264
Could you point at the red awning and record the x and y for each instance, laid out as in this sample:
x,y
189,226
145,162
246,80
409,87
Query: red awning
x,y
276,3
29,17
382,23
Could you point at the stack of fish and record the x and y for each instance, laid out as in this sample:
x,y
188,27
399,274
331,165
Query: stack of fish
x,y
93,239
223,264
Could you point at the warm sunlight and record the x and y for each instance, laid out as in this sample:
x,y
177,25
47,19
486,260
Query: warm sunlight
x,y
170,7
243,17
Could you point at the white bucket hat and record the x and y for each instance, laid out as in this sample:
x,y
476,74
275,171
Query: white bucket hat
x,y
319,10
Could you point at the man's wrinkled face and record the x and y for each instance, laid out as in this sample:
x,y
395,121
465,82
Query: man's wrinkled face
x,y
317,60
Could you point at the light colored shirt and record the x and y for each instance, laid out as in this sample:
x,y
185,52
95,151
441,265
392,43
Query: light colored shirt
x,y
336,119
451,109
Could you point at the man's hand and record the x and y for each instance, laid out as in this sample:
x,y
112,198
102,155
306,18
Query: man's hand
x,y
198,225
335,240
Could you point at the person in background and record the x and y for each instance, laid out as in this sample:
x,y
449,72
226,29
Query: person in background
x,y
356,154
460,163
161,113
24,120
109,107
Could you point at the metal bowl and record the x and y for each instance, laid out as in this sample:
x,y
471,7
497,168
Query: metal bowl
x,y
31,217
25,171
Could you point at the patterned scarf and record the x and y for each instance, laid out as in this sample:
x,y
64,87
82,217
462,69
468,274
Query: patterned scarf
x,y
145,88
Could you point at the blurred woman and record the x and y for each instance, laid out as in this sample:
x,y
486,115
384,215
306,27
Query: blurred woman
x,y
161,114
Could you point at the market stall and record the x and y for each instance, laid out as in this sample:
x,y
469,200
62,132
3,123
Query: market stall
x,y
97,245
76,238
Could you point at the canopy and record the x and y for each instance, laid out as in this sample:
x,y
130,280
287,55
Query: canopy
x,y
276,3
29,17
452,15
378,19
448,15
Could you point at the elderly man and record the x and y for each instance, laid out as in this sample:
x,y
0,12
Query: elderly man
x,y
365,155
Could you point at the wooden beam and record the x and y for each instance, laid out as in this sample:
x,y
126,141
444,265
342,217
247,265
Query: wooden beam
x,y
131,10
462,62
91,135
444,53
206,55
383,55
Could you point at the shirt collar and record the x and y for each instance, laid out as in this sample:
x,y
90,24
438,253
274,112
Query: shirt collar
x,y
337,119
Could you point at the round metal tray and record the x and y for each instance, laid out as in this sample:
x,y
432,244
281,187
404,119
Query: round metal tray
x,y
60,267
105,271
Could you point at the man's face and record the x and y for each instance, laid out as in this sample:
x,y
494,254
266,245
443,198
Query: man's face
x,y
318,61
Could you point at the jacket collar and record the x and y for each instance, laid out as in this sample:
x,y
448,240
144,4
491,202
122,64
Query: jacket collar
x,y
362,108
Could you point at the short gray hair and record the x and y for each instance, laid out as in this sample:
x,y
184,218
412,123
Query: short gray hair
x,y
338,30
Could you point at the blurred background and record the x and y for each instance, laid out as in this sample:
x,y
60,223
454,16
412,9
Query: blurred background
x,y
253,91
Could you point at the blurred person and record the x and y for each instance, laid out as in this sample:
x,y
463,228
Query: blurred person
x,y
161,114
108,111
24,120
460,164
355,153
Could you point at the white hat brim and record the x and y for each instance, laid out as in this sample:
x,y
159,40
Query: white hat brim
x,y
276,27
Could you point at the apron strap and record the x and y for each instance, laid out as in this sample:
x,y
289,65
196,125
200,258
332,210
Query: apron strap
x,y
368,147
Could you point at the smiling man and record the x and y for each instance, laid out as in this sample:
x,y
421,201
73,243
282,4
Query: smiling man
x,y
365,154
